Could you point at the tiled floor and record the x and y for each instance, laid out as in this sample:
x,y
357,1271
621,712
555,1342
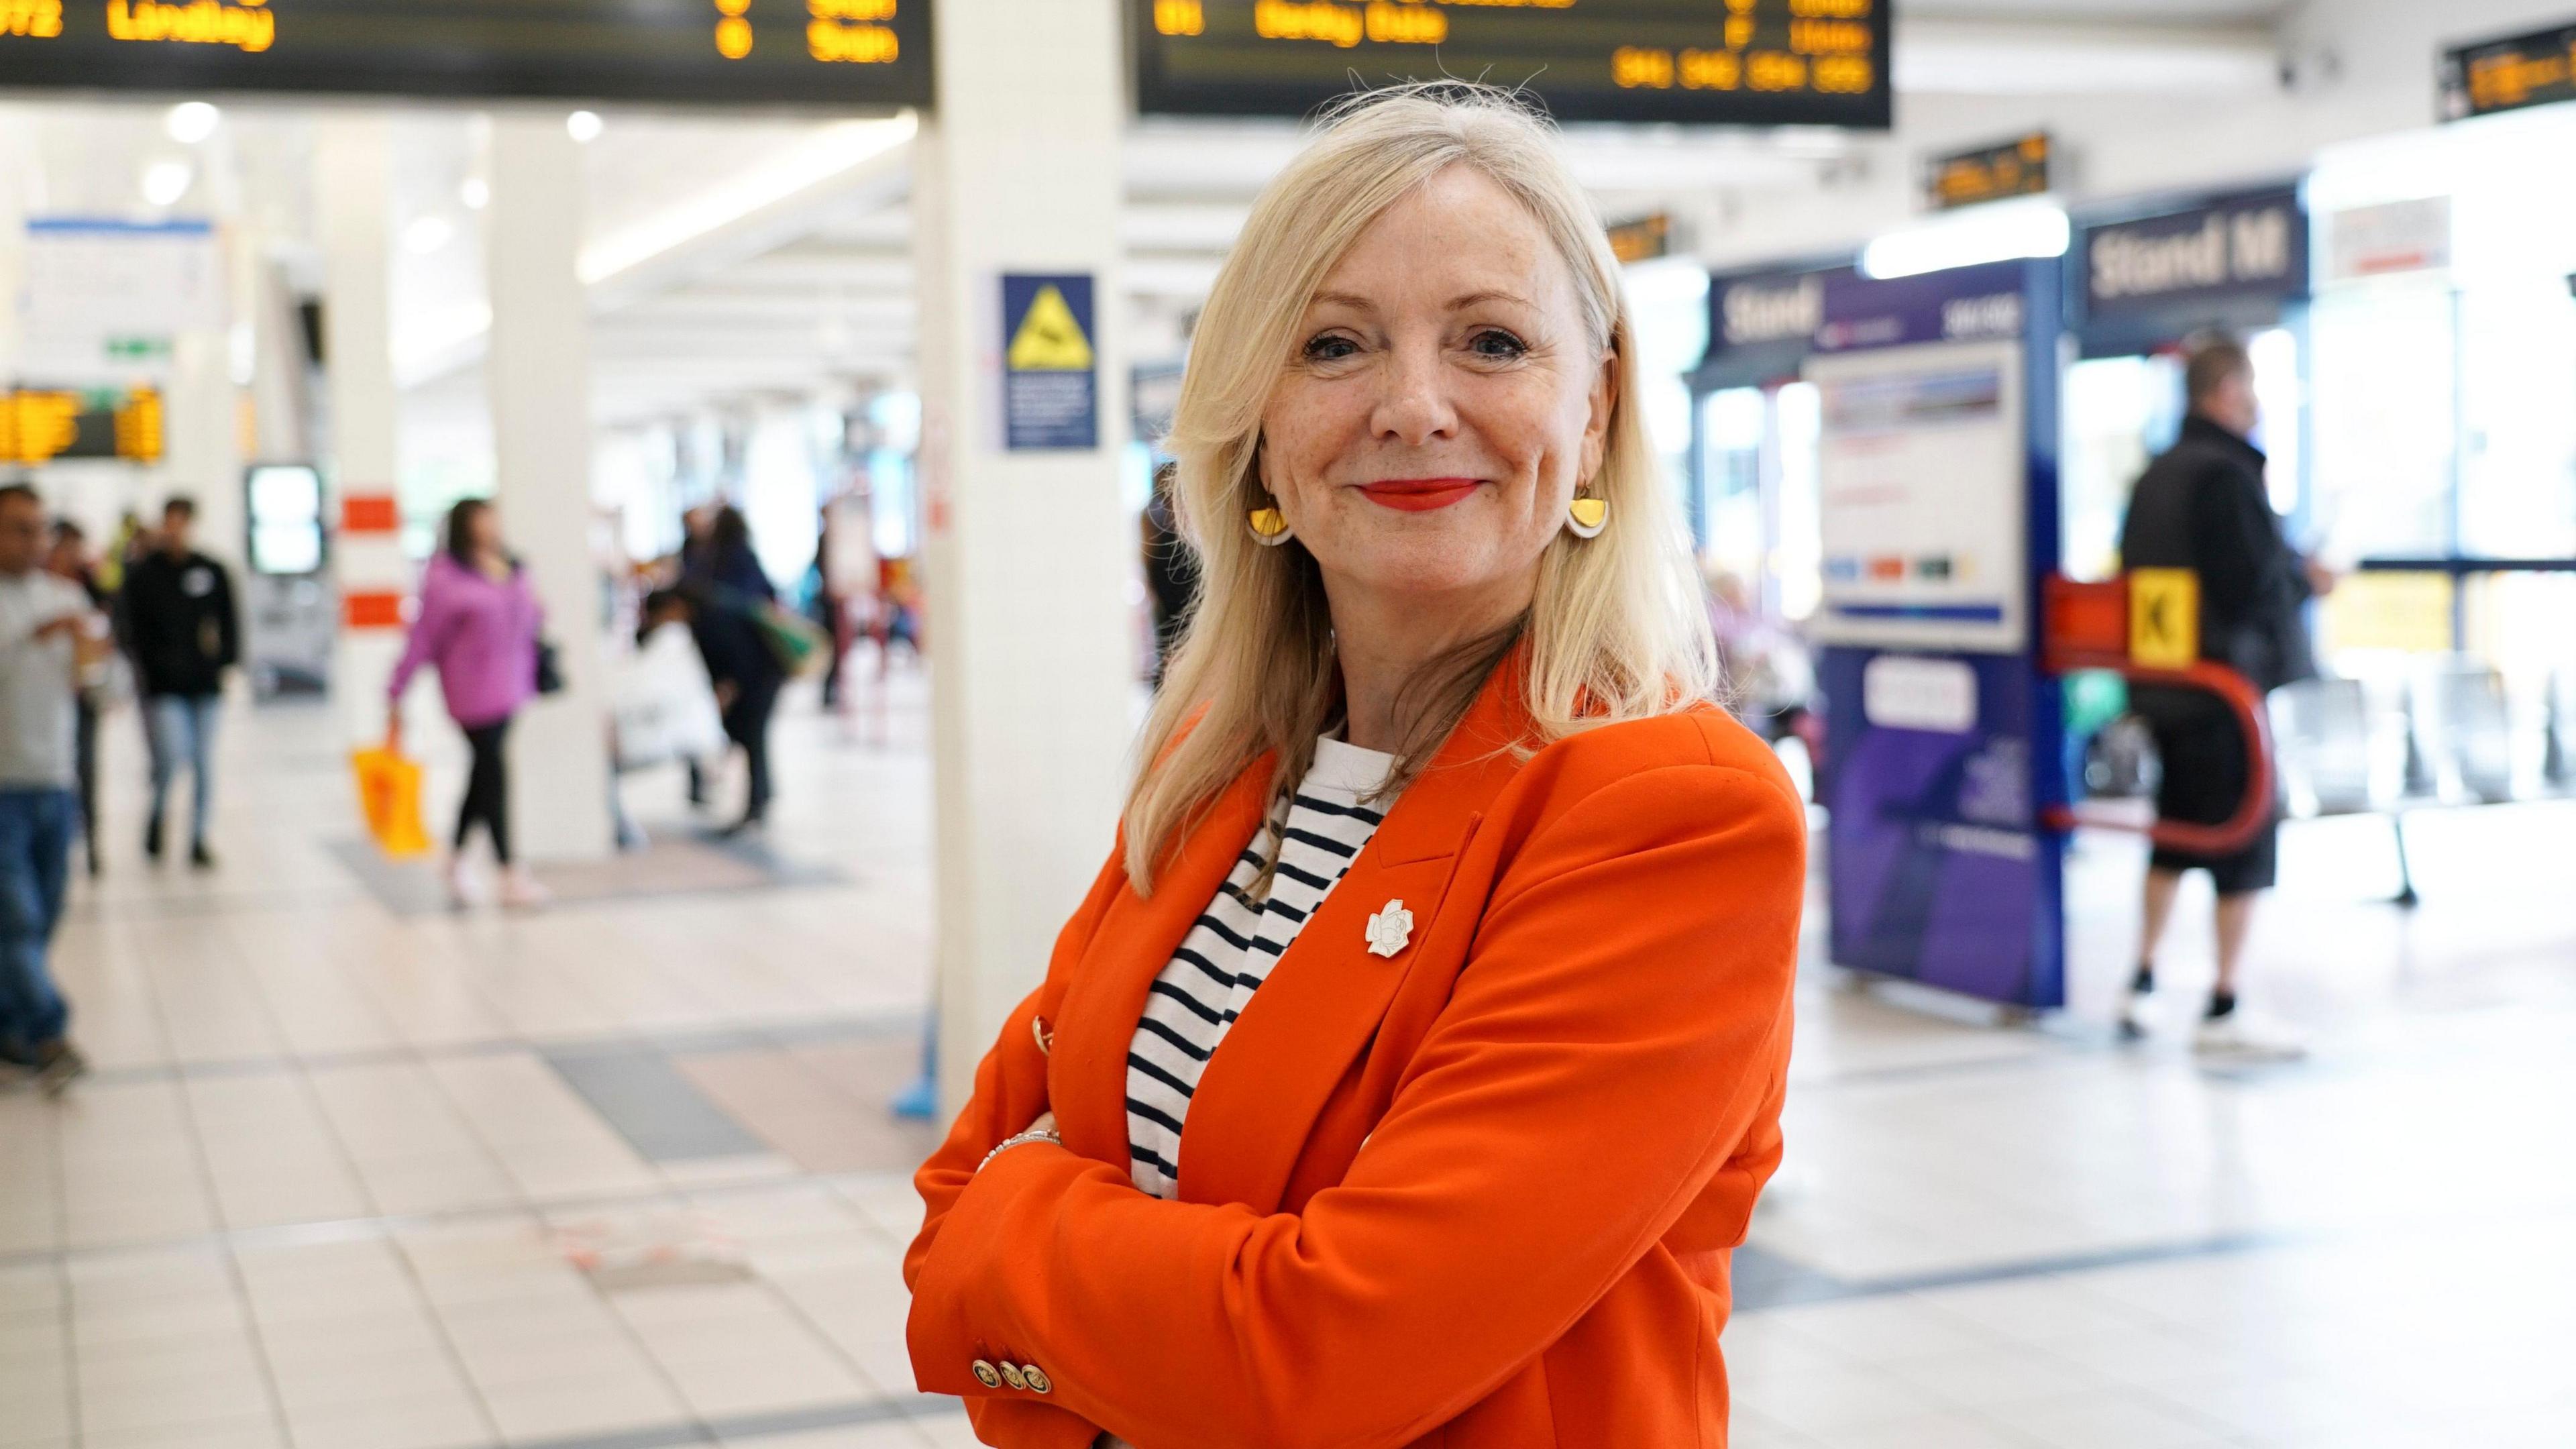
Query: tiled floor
x,y
352,1175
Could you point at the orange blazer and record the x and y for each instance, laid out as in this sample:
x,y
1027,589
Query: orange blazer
x,y
1483,1193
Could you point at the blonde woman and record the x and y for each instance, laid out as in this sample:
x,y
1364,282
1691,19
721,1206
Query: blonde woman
x,y
1412,1067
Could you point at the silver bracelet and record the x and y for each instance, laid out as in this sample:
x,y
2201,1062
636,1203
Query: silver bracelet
x,y
1034,1134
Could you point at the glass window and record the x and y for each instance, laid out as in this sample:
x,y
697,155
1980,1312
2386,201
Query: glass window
x,y
2383,416
2120,412
1797,555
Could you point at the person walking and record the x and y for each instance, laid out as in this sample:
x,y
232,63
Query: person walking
x,y
48,633
2203,506
478,623
1411,1069
70,561
826,606
728,592
183,631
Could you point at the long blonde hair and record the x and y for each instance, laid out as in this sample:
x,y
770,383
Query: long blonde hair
x,y
1616,630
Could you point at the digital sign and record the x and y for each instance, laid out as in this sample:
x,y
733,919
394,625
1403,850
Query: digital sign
x,y
1739,62
2507,75
1642,240
739,52
2018,167
39,425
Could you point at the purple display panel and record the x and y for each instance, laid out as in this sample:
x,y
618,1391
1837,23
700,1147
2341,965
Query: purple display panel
x,y
1939,872
1964,304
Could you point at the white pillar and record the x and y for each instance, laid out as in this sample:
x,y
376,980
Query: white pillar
x,y
538,370
202,455
1033,667
353,189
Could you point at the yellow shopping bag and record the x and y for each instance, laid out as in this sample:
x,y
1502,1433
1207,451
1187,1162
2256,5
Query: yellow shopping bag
x,y
389,792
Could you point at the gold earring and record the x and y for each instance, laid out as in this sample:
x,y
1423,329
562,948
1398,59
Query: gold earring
x,y
1269,526
1586,517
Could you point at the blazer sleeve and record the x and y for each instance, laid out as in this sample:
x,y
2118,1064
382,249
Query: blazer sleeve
x,y
1622,1019
1010,1092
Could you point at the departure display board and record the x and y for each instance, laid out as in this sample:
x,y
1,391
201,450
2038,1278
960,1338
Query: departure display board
x,y
2507,75
738,52
1989,173
1642,240
39,425
1745,62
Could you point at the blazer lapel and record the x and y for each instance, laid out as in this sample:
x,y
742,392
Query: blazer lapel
x,y
1096,1019
1322,1003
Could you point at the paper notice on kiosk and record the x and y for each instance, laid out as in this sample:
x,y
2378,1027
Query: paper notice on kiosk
x,y
1922,496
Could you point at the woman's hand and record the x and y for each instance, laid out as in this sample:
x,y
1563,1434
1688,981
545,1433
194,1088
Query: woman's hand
x,y
1042,1130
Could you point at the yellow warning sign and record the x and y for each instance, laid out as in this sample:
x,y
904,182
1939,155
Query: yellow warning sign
x,y
1049,339
2164,617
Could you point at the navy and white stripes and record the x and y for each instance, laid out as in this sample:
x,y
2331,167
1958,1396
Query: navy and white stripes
x,y
1229,952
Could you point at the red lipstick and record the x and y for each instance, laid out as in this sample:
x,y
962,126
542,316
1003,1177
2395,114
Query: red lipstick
x,y
1419,495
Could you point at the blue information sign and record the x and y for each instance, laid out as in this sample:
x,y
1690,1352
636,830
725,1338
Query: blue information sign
x,y
1050,370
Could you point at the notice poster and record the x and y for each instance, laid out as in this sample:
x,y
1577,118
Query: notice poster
x,y
104,299
1920,472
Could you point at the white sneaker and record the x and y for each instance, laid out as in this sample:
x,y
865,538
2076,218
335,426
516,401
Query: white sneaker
x,y
522,891
461,891
2135,1004
2233,1037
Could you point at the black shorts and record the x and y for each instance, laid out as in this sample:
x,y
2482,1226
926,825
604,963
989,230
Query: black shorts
x,y
2202,749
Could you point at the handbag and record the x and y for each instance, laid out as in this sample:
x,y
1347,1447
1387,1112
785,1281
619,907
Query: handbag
x,y
799,646
550,678
389,797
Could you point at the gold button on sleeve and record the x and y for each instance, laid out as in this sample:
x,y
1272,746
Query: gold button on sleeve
x,y
1011,1375
1039,1383
987,1375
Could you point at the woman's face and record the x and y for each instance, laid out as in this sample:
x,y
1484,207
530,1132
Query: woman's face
x,y
1441,400
483,526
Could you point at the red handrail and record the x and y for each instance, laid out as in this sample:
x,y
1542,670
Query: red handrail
x,y
2077,642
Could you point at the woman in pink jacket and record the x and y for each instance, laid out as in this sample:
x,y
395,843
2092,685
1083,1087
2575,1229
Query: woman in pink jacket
x,y
478,622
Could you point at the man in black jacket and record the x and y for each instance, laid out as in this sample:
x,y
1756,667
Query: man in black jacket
x,y
184,633
2203,506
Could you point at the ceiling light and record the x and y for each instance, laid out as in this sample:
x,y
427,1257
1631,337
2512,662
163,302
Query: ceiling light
x,y
164,182
191,121
476,193
584,126
1997,232
832,151
428,234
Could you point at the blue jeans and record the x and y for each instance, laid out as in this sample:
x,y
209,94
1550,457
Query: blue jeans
x,y
36,828
182,728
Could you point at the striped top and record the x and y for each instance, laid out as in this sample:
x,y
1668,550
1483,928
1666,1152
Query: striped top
x,y
1229,952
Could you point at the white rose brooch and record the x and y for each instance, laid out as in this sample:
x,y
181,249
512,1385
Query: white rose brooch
x,y
1390,929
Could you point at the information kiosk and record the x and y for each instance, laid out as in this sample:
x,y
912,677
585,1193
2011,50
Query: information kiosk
x,y
1937,469
1881,456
